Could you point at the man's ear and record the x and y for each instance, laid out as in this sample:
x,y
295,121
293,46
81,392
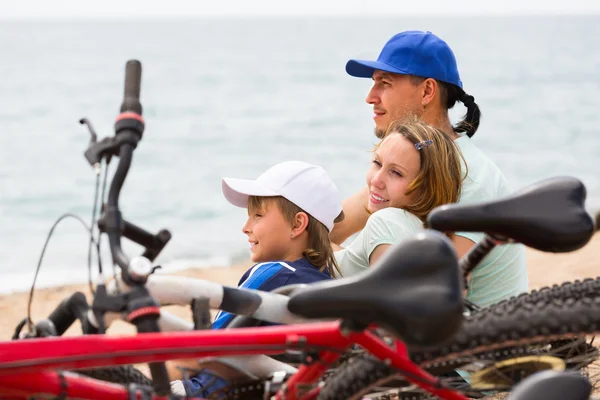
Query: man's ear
x,y
300,224
430,89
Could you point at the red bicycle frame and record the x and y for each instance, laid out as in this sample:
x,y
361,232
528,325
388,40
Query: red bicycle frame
x,y
27,367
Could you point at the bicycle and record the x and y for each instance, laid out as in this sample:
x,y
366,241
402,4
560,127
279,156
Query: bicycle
x,y
551,385
500,345
362,304
520,361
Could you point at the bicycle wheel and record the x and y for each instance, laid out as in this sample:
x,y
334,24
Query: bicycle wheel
x,y
123,374
248,389
497,346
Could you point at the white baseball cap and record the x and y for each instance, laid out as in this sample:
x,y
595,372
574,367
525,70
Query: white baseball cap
x,y
307,186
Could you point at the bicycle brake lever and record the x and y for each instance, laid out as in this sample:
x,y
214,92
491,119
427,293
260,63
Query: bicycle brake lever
x,y
85,121
96,150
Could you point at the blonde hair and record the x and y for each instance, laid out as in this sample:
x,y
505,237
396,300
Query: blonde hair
x,y
439,179
319,251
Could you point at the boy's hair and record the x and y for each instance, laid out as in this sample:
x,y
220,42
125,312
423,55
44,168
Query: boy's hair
x,y
439,180
319,251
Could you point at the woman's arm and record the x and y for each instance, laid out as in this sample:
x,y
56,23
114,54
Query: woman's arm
x,y
377,253
356,216
462,245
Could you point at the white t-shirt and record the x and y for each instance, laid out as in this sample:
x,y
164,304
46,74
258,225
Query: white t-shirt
x,y
500,275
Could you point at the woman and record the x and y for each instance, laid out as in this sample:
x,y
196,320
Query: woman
x,y
415,168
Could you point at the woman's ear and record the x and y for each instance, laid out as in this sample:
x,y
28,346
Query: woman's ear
x,y
300,224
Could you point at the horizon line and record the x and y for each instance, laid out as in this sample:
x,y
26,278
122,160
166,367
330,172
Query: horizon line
x,y
594,13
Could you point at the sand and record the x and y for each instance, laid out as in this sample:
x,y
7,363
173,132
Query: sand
x,y
543,268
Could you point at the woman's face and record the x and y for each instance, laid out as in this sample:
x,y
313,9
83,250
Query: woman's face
x,y
395,165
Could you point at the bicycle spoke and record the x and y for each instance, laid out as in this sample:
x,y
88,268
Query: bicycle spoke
x,y
578,355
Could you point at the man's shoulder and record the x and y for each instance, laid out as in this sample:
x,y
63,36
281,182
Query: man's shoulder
x,y
475,157
484,180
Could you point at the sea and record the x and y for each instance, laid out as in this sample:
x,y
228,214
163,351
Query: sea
x,y
230,97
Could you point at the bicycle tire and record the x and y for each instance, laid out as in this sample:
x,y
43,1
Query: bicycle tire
x,y
549,315
122,374
589,287
252,389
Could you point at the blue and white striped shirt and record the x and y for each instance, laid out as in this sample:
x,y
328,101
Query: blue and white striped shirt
x,y
269,276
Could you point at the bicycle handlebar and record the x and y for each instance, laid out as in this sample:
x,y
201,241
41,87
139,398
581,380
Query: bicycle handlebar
x,y
152,243
69,310
142,308
129,128
133,79
73,308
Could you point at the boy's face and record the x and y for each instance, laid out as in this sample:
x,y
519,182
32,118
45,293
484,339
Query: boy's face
x,y
268,233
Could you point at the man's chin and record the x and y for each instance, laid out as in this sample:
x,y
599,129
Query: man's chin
x,y
379,132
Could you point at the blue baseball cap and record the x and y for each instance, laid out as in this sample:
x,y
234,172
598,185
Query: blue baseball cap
x,y
412,53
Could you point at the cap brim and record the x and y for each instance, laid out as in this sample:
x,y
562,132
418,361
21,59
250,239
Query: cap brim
x,y
365,68
237,191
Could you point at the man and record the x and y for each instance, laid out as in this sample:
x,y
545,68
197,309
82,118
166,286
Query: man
x,y
416,74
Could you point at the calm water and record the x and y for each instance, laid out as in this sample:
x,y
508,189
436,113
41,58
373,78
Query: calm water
x,y
231,97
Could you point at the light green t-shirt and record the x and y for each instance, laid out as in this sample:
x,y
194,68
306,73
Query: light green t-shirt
x,y
503,272
500,275
387,226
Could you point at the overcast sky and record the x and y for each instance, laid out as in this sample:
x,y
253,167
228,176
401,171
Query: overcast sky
x,y
192,8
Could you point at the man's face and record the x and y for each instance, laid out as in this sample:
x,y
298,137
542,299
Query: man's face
x,y
393,97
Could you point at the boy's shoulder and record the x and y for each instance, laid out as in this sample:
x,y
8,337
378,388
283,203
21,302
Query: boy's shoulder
x,y
266,268
273,274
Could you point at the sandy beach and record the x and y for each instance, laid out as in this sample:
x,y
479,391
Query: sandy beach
x,y
544,269
14,306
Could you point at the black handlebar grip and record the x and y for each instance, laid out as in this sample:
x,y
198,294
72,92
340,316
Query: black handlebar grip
x,y
68,311
133,79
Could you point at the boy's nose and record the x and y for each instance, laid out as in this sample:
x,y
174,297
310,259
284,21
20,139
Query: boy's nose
x,y
246,227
